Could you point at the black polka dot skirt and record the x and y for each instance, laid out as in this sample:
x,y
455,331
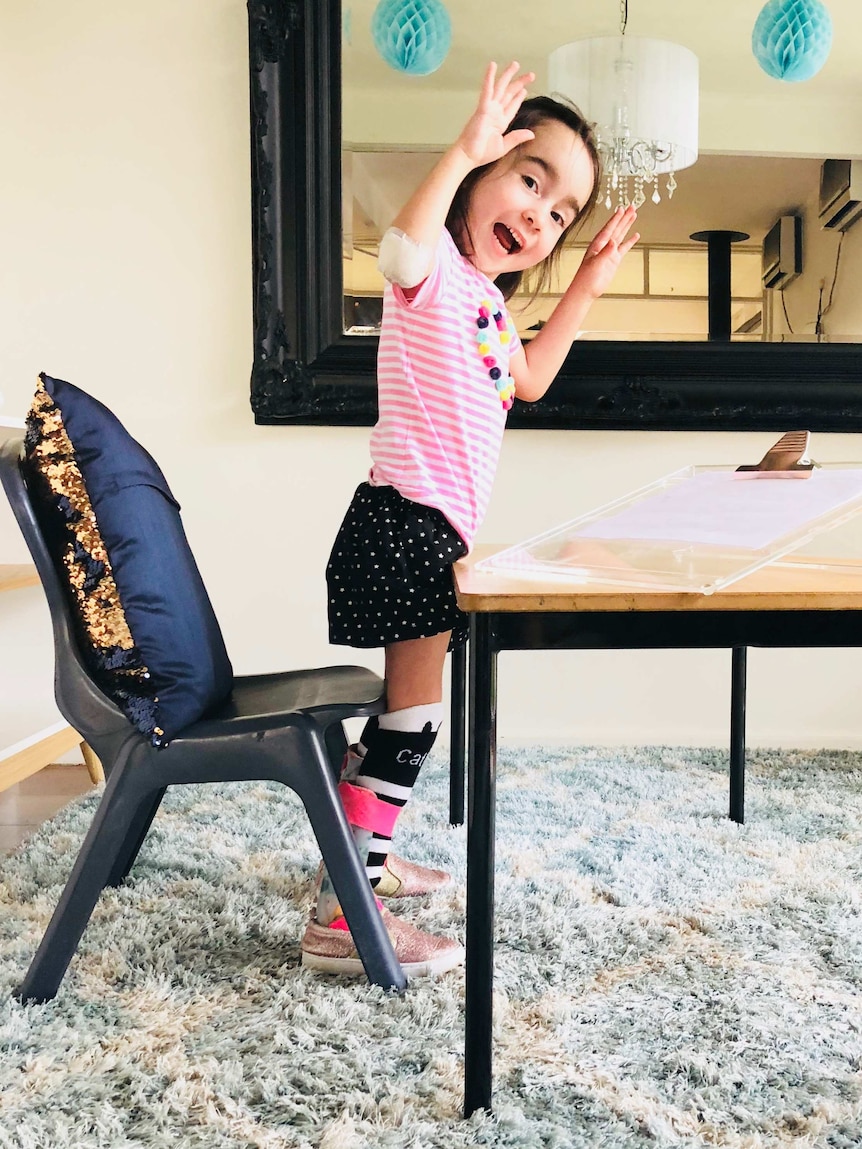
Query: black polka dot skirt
x,y
389,576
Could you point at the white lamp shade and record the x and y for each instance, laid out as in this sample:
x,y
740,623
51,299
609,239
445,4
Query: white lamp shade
x,y
647,88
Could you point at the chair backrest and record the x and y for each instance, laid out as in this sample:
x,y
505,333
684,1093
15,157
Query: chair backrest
x,y
84,706
145,624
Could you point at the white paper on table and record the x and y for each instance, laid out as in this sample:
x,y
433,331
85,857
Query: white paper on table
x,y
722,508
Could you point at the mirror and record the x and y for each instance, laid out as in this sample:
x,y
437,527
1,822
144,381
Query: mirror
x,y
662,290
307,370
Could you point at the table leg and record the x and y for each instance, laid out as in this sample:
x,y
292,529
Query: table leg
x,y
457,732
737,733
482,763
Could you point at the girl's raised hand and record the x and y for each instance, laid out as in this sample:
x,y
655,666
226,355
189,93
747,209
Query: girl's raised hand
x,y
482,139
605,253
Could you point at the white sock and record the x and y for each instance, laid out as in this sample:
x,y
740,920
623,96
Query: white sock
x,y
414,718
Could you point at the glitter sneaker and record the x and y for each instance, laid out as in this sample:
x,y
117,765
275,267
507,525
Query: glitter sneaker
x,y
403,879
330,949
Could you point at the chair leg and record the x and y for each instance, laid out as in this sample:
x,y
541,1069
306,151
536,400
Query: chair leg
x,y
138,831
336,747
340,856
97,858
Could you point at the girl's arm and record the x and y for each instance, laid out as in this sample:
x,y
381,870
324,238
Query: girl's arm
x,y
481,141
536,365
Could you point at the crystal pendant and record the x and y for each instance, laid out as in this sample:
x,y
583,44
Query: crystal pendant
x,y
639,198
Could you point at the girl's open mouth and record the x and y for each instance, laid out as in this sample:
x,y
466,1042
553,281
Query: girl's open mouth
x,y
506,239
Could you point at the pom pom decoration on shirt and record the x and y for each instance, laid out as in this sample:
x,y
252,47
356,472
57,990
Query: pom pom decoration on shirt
x,y
792,38
412,36
505,387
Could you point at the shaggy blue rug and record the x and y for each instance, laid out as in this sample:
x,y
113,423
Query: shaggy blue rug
x,y
664,976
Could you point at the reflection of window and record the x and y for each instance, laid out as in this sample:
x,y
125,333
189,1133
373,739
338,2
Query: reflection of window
x,y
660,292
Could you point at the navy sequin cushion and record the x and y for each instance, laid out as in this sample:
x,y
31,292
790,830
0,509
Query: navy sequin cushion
x,y
146,624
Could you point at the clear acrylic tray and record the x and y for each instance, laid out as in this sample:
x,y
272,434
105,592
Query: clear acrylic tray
x,y
697,529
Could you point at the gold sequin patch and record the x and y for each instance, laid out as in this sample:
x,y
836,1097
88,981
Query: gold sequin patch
x,y
97,600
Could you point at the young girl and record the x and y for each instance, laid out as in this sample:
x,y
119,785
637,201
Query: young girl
x,y
499,202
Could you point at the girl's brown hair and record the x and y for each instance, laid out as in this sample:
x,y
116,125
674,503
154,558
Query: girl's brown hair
x,y
535,111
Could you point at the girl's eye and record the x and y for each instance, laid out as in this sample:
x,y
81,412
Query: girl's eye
x,y
529,181
557,218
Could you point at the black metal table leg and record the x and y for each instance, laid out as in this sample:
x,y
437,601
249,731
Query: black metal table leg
x,y
482,764
737,733
458,713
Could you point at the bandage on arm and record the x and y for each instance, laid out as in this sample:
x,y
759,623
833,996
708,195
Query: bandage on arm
x,y
402,260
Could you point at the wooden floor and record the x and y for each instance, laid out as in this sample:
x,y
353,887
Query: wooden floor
x,y
27,804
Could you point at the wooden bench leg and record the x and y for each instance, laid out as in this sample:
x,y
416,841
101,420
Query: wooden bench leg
x,y
94,766
34,753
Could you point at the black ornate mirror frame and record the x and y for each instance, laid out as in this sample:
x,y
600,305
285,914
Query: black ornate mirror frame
x,y
306,371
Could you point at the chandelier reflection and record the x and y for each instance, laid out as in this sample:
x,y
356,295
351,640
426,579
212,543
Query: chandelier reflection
x,y
642,97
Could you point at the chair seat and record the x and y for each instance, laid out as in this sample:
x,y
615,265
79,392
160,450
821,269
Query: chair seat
x,y
266,701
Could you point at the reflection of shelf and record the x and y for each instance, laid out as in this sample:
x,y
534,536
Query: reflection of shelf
x,y
31,754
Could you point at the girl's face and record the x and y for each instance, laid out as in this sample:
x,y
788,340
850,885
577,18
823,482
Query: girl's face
x,y
520,208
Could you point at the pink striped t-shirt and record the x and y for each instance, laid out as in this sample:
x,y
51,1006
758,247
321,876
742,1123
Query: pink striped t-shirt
x,y
441,418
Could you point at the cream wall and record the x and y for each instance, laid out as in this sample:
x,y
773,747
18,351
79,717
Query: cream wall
x,y
770,126
126,269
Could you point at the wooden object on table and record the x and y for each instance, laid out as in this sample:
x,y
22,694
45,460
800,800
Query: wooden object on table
x,y
39,750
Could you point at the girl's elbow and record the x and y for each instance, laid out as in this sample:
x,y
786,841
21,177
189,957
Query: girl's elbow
x,y
529,392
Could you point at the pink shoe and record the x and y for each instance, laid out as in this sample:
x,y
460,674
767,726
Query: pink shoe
x,y
403,879
330,949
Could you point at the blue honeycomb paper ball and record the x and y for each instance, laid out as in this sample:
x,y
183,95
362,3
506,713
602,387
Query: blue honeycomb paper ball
x,y
792,38
412,36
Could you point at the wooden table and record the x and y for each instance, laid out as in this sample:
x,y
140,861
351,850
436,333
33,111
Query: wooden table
x,y
32,754
800,605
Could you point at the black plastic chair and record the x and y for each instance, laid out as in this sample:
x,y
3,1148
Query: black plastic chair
x,y
285,727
